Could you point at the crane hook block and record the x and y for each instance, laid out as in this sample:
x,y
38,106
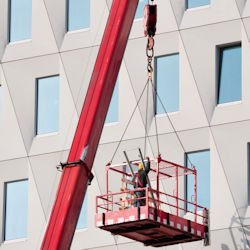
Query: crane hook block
x,y
150,19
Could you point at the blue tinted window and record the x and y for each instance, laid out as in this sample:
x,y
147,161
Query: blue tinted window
x,y
47,105
113,111
82,220
197,3
78,14
140,7
230,75
201,161
16,210
167,84
20,19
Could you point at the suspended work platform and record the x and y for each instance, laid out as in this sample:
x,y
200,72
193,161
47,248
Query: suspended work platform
x,y
163,219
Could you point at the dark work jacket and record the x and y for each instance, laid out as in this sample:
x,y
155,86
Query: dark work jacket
x,y
142,176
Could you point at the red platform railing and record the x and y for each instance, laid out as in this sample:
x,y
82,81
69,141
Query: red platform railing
x,y
111,202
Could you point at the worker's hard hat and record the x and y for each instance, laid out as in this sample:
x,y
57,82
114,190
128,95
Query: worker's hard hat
x,y
140,166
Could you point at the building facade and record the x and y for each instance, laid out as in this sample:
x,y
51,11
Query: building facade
x,y
200,114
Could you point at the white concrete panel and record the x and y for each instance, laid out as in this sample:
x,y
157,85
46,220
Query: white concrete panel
x,y
222,210
195,139
246,230
78,66
129,123
179,8
89,36
200,45
225,239
36,216
231,142
136,245
111,247
246,11
171,149
44,170
11,143
42,41
208,14
246,23
241,5
103,156
57,16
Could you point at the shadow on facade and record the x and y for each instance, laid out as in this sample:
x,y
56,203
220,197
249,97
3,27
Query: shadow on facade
x,y
234,229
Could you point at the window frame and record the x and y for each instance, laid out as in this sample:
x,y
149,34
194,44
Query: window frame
x,y
9,25
67,18
5,208
36,104
186,176
155,81
219,49
189,8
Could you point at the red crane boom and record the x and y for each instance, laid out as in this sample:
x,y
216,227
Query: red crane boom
x,y
77,172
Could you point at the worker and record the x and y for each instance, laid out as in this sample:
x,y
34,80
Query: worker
x,y
140,181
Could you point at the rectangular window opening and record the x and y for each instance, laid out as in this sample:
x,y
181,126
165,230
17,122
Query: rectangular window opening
x,y
167,84
16,210
201,161
230,75
78,14
47,105
197,3
20,20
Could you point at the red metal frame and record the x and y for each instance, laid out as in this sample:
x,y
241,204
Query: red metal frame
x,y
160,174
159,170
144,226
73,183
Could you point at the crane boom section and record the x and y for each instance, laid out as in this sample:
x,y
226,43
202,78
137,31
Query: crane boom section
x,y
74,179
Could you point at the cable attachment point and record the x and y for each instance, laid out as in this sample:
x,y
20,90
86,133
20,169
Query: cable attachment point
x,y
150,72
74,164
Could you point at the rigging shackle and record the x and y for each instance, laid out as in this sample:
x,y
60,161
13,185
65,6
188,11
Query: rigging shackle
x,y
150,72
